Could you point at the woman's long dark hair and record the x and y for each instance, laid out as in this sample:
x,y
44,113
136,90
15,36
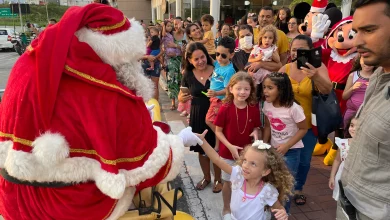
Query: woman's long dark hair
x,y
283,83
305,38
191,48
357,67
188,30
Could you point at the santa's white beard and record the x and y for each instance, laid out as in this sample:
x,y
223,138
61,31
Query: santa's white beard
x,y
132,76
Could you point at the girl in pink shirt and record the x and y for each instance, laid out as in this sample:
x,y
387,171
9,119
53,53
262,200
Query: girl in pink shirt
x,y
286,124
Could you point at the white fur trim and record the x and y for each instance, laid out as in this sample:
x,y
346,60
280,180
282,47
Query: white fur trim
x,y
35,167
5,146
116,49
177,148
123,204
157,159
316,9
50,149
341,59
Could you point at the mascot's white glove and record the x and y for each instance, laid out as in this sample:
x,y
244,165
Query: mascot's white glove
x,y
150,109
189,138
320,26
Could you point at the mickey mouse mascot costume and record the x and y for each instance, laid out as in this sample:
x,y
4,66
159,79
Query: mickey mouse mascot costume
x,y
339,55
76,139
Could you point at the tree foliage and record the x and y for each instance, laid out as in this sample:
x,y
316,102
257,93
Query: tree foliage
x,y
38,14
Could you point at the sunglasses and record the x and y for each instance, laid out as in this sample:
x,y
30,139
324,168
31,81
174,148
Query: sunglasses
x,y
224,56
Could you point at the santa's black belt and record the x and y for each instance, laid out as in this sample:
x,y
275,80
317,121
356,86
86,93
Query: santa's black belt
x,y
6,176
338,86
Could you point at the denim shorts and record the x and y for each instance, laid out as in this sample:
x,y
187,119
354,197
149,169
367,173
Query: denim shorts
x,y
151,73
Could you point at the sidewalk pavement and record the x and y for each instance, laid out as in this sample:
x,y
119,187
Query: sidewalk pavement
x,y
207,205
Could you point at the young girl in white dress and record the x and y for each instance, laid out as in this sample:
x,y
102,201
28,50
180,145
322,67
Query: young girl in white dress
x,y
265,51
260,181
342,154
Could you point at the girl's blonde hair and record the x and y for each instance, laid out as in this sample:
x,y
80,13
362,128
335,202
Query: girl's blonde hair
x,y
237,77
280,177
268,28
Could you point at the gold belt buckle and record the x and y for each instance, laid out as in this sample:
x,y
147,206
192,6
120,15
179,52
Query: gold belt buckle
x,y
334,85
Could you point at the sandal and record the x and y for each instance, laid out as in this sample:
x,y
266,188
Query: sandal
x,y
300,199
202,184
172,107
217,189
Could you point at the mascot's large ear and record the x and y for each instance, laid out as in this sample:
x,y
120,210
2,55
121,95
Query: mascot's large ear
x,y
301,10
335,15
331,5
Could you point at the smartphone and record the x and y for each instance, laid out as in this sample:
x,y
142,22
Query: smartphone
x,y
312,56
185,90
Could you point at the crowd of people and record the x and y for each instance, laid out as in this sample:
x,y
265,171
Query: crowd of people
x,y
244,87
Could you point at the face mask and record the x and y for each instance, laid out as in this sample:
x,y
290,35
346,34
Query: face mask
x,y
246,42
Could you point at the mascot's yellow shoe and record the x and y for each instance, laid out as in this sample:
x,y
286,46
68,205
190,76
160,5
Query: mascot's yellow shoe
x,y
328,160
320,149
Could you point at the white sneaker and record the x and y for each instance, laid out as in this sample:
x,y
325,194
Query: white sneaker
x,y
227,217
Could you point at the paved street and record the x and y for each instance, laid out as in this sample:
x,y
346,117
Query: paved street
x,y
205,205
7,60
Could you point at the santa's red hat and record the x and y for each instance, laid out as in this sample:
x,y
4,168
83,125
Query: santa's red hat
x,y
319,6
336,26
53,44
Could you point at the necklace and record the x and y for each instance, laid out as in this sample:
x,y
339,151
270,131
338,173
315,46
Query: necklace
x,y
246,122
251,197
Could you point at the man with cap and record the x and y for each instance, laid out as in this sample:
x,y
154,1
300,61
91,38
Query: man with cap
x,y
76,139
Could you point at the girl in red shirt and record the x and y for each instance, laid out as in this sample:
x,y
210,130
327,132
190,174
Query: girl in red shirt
x,y
237,121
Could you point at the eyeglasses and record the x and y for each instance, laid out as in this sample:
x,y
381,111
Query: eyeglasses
x,y
292,23
224,56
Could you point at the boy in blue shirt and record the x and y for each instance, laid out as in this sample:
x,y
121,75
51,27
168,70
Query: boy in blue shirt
x,y
223,71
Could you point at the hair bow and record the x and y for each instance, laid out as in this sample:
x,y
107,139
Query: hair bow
x,y
261,145
251,14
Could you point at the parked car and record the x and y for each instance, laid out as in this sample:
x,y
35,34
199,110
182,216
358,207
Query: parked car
x,y
5,38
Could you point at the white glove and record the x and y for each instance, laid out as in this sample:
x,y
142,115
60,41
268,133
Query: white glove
x,y
150,109
320,26
189,138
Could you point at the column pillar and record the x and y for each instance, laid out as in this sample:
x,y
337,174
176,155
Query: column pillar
x,y
178,8
192,11
346,8
153,15
214,11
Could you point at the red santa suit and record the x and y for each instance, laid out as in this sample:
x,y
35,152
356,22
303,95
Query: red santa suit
x,y
76,143
338,62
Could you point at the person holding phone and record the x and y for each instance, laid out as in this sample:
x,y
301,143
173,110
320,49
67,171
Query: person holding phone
x,y
301,80
198,67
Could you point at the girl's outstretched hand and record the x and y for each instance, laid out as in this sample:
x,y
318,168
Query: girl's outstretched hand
x,y
280,214
203,135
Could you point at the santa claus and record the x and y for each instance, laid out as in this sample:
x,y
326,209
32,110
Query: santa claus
x,y
340,54
76,139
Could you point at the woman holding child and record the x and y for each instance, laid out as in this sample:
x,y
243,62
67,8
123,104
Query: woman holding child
x,y
301,80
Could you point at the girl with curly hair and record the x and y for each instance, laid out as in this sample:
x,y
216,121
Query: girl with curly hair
x,y
260,181
237,120
285,124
